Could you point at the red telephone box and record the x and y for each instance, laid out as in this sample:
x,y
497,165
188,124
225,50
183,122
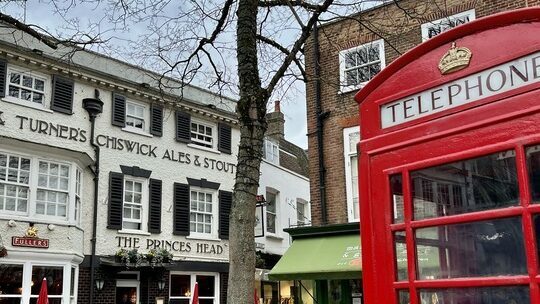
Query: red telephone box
x,y
450,168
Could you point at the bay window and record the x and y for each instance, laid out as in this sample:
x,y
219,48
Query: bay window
x,y
31,186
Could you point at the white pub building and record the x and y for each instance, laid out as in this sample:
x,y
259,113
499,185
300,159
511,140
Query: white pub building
x,y
112,190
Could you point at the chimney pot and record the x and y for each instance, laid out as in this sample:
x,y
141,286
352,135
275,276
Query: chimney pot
x,y
277,107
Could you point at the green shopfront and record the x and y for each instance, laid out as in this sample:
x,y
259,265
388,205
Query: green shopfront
x,y
324,263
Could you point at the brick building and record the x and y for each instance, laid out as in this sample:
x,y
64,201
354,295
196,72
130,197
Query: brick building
x,y
341,57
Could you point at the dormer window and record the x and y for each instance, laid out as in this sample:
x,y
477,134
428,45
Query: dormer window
x,y
271,151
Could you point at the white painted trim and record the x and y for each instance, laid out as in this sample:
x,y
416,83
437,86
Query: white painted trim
x,y
426,26
347,153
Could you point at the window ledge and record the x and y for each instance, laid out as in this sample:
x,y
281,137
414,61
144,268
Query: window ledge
x,y
38,219
274,236
202,238
137,232
137,131
27,104
203,148
349,89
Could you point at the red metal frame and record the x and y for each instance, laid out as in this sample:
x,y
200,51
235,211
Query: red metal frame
x,y
498,123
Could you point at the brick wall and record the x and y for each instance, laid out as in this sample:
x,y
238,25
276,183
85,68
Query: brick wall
x,y
400,27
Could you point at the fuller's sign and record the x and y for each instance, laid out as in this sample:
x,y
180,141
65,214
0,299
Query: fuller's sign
x,y
490,82
29,242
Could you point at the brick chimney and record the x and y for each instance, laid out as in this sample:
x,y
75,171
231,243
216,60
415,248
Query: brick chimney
x,y
276,123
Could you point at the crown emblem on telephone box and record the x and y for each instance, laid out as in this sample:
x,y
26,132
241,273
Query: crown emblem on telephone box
x,y
457,58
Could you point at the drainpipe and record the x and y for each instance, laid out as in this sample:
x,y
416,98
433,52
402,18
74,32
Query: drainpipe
x,y
321,116
94,106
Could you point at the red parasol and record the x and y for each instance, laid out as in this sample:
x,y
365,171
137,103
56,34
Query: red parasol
x,y
43,297
256,297
195,298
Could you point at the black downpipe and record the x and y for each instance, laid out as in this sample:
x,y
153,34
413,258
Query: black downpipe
x,y
320,120
94,107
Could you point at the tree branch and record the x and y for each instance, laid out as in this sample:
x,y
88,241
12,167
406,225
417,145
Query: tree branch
x,y
284,51
300,3
50,42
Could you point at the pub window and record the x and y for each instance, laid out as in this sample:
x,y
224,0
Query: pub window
x,y
351,137
203,212
27,87
182,284
134,204
34,187
202,134
434,28
136,116
360,64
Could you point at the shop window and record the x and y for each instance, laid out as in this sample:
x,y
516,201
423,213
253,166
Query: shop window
x,y
271,151
182,284
360,64
302,218
478,184
479,249
203,212
270,292
202,134
27,87
500,294
32,187
134,204
351,137
434,28
271,211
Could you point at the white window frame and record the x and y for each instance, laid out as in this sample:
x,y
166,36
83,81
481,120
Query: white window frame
x,y
214,222
276,213
144,203
32,73
304,205
192,279
33,186
146,119
271,151
26,295
133,283
344,88
200,143
348,154
446,23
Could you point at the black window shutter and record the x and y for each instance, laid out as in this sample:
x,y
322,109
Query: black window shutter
x,y
156,120
116,200
181,209
225,202
119,110
224,138
183,127
154,210
62,95
3,76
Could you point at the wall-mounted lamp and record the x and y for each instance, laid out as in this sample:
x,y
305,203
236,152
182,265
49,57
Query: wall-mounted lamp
x,y
99,283
161,284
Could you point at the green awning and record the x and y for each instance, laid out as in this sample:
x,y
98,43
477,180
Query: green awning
x,y
330,257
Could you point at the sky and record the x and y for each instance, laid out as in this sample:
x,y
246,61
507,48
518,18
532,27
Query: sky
x,y
41,13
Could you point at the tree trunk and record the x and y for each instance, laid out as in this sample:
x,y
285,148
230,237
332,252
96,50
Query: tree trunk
x,y
251,111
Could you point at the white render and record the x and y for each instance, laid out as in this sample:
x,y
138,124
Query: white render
x,y
291,186
75,239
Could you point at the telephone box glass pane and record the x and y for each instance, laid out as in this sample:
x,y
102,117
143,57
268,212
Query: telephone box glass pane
x,y
533,163
480,249
478,295
396,186
400,248
482,183
404,297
